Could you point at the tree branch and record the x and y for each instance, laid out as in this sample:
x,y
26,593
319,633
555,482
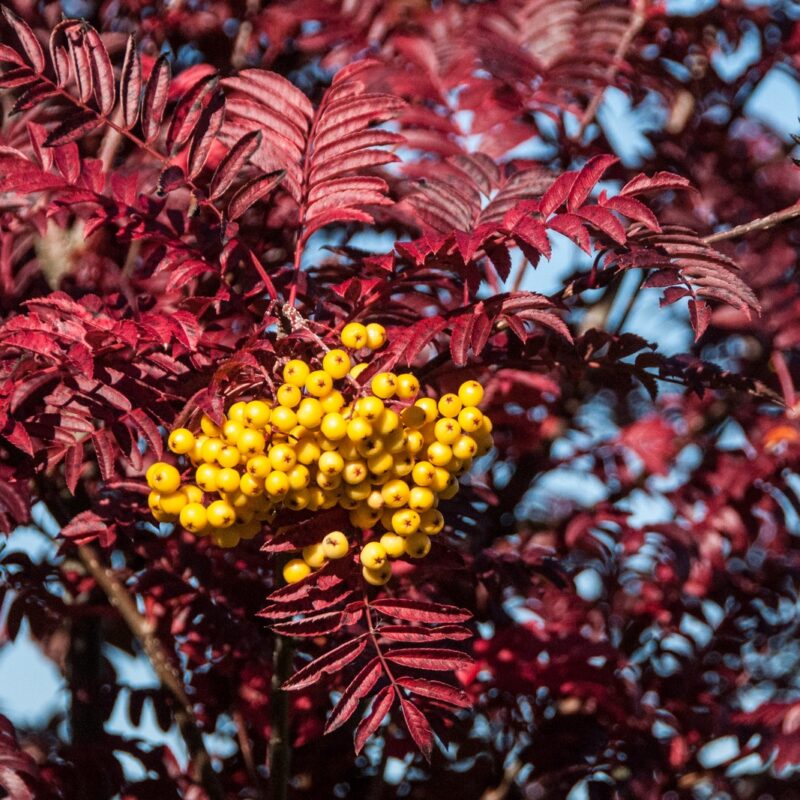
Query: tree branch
x,y
760,224
120,598
279,746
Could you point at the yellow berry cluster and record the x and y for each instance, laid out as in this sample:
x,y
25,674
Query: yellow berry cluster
x,y
384,455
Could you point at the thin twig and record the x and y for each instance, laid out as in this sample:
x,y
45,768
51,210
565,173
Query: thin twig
x,y
760,224
636,23
279,744
246,748
120,598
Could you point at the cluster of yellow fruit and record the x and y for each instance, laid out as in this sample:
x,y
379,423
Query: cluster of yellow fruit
x,y
385,455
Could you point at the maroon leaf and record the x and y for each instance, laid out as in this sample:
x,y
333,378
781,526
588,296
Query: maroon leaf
x,y
555,196
634,210
156,94
586,179
187,112
233,162
419,610
661,180
252,192
330,662
381,706
318,625
85,528
414,633
102,71
73,128
418,727
130,84
436,690
27,38
430,658
356,691
205,135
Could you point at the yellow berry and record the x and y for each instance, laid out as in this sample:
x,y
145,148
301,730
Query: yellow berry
x,y
429,407
376,336
228,480
370,447
446,430
418,545
319,383
375,500
383,385
423,473
221,514
295,570
314,555
283,418
470,393
394,545
231,431
307,450
251,442
309,412
403,464
369,408
257,413
405,522
414,442
277,484
420,498
486,425
431,521
465,447
348,450
325,481
209,427
331,463
225,538
247,530
373,555
407,386
206,477
354,335
228,456
259,466
377,577
451,490
395,493
364,517
181,441
358,369
387,422
297,499
327,444
449,405
295,372
333,426
354,472
413,416
336,363
358,429
173,502
358,491
439,454
332,402
193,517
396,441
470,419
288,395
282,457
380,463
236,412
211,449
335,545
164,478
194,494
441,480
299,477
251,486
196,454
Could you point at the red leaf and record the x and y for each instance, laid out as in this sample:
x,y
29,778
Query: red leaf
x,y
102,71
661,180
27,38
436,690
557,193
187,112
587,178
356,691
418,727
74,127
431,658
208,127
419,610
156,94
130,84
148,430
86,527
570,225
104,450
418,633
380,708
330,662
319,625
73,464
605,221
233,162
700,317
634,210
252,192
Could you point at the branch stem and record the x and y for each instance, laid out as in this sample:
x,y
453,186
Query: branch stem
x,y
279,745
760,224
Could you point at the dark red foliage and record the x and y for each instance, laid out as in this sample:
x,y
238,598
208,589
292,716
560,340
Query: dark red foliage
x,y
191,193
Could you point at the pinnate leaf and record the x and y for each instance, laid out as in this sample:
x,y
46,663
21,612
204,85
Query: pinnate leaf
x,y
356,691
430,658
326,664
436,690
419,610
381,706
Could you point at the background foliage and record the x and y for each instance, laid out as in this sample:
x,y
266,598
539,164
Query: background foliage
x,y
628,553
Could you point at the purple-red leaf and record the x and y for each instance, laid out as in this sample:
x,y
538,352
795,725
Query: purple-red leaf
x,y
436,690
73,128
27,38
431,658
419,610
208,127
156,94
356,691
381,706
130,84
102,71
330,662
418,727
647,183
587,178
418,633
233,162
252,192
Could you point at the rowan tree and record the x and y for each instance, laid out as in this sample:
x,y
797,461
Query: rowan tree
x,y
194,195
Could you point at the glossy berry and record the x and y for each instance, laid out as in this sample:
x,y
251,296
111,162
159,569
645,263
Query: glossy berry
x,y
164,478
373,555
193,517
407,386
377,577
314,555
354,335
336,363
295,372
383,385
335,545
295,570
394,545
181,441
470,393
376,336
221,514
418,545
